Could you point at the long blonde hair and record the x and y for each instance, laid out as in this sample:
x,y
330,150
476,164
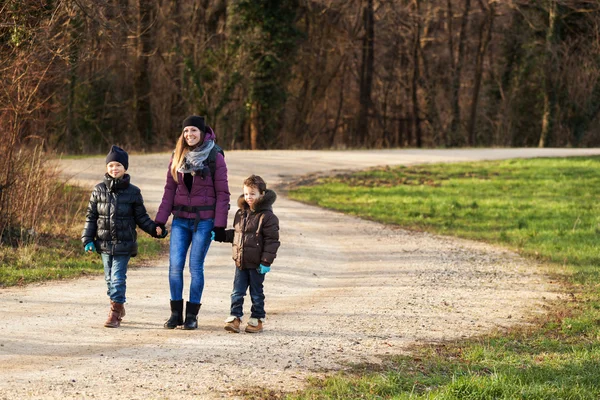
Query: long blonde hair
x,y
181,150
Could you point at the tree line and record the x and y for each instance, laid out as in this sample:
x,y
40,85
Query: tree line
x,y
83,74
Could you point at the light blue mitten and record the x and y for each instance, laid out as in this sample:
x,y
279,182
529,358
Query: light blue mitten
x,y
263,269
90,247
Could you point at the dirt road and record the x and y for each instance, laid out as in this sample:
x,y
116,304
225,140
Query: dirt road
x,y
341,290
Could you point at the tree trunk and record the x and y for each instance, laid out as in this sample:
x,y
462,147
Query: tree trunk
x,y
426,83
366,76
484,39
254,126
547,116
177,102
456,79
335,138
73,63
416,126
143,112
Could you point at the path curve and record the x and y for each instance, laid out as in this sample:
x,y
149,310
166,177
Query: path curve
x,y
342,290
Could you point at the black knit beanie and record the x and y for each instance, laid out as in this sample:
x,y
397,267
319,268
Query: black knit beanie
x,y
119,155
194,120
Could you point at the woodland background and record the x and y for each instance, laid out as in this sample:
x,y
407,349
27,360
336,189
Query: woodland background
x,y
79,75
84,74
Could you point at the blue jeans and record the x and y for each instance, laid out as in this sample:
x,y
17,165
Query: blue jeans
x,y
115,275
245,278
184,234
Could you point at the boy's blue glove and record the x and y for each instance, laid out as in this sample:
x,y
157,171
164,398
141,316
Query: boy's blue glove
x,y
90,247
262,269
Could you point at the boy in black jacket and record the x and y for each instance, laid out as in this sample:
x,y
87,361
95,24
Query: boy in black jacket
x,y
114,210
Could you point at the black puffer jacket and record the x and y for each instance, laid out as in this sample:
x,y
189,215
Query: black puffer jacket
x,y
115,208
255,234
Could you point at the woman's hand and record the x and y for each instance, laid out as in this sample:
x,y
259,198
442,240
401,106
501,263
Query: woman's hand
x,y
218,234
161,231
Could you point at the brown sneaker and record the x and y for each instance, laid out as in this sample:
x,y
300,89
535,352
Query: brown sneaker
x,y
254,325
233,324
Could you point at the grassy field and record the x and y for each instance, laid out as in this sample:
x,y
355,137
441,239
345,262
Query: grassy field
x,y
547,209
61,257
56,252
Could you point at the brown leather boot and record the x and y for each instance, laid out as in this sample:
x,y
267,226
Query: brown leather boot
x,y
255,325
115,315
233,324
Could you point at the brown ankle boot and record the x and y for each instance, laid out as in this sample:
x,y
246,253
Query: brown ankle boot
x,y
232,324
255,325
115,315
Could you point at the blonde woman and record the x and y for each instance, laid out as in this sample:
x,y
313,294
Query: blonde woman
x,y
199,203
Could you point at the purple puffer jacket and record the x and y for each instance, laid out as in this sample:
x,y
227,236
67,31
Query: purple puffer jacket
x,y
202,194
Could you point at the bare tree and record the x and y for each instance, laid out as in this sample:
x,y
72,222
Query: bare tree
x,y
143,87
366,72
457,66
485,36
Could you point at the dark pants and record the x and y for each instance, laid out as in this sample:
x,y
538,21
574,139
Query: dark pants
x,y
245,278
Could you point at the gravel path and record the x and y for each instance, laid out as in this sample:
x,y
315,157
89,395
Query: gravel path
x,y
342,290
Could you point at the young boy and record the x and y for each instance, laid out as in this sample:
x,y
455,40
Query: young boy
x,y
115,208
255,238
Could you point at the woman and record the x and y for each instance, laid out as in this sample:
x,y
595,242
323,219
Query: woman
x,y
199,203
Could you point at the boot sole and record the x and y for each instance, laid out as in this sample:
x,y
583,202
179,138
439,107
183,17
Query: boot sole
x,y
167,326
232,329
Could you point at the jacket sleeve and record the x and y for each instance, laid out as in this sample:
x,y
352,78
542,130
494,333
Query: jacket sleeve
x,y
222,192
270,232
91,220
142,219
166,205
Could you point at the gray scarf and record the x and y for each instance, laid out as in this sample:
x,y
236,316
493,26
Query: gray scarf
x,y
194,159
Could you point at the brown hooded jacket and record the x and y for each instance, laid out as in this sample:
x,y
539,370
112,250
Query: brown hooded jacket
x,y
255,233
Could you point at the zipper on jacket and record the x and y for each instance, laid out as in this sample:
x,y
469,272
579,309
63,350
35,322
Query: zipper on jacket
x,y
245,219
260,221
115,241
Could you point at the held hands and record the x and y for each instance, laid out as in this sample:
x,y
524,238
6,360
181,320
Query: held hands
x,y
161,231
263,269
218,234
90,248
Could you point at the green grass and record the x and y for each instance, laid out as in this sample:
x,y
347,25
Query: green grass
x,y
544,208
56,252
60,258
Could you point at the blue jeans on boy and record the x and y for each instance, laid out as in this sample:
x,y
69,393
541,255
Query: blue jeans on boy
x,y
115,275
243,279
183,234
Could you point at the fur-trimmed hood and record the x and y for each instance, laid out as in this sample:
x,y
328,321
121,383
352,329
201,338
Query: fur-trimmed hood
x,y
265,203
